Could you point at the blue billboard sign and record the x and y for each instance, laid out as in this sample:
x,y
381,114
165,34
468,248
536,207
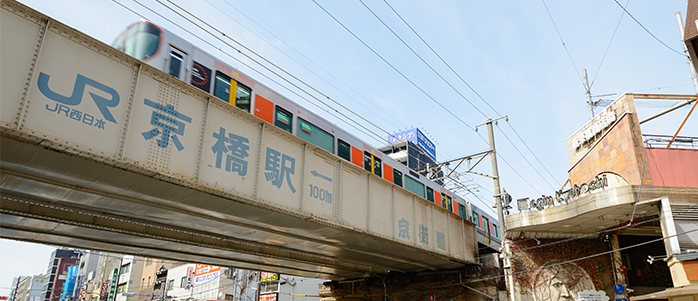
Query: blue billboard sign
x,y
418,138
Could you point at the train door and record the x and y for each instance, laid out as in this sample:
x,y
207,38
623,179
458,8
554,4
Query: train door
x,y
373,164
486,228
176,62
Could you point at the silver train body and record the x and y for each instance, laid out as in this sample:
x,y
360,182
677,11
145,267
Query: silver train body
x,y
181,59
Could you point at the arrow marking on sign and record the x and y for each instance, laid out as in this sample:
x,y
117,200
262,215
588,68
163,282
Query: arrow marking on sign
x,y
318,175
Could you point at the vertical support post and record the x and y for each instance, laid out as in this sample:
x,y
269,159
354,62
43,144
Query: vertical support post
x,y
500,213
688,54
617,263
589,102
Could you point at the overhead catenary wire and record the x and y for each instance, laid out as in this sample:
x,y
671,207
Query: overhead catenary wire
x,y
576,70
304,56
608,47
647,30
414,84
268,69
444,79
271,63
468,85
352,124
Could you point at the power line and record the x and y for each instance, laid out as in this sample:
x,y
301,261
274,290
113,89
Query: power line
x,y
647,30
423,61
393,67
449,84
260,73
413,83
271,63
522,155
588,256
301,54
608,47
563,43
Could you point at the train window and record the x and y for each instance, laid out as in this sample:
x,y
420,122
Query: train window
x,y
494,228
175,68
476,219
315,135
142,40
367,162
344,150
430,194
283,119
377,167
397,177
461,210
221,88
243,97
414,186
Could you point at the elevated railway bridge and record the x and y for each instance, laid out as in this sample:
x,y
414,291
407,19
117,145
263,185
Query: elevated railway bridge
x,y
101,151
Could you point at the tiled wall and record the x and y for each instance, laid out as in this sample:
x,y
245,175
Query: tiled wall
x,y
618,150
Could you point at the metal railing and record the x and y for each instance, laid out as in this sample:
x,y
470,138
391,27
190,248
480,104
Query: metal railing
x,y
661,141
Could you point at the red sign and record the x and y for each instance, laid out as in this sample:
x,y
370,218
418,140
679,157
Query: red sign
x,y
269,297
104,291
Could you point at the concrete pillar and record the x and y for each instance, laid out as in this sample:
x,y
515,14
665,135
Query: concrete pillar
x,y
617,264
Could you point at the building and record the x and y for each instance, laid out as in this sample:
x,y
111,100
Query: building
x,y
413,149
69,284
277,287
94,272
57,271
30,288
129,278
625,225
14,288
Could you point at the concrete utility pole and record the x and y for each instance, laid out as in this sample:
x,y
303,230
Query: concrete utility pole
x,y
688,54
591,104
500,207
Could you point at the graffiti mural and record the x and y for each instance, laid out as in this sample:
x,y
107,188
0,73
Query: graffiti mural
x,y
560,282
543,271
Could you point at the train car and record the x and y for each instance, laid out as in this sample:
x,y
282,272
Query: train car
x,y
487,229
168,52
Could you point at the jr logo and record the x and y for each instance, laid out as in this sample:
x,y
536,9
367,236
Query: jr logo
x,y
102,103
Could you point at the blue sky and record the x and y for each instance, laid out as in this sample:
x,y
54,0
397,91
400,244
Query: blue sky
x,y
510,53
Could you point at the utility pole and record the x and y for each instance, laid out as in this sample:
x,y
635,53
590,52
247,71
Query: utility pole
x,y
498,202
694,76
589,102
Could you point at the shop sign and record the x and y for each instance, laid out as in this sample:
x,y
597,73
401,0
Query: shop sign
x,y
269,297
206,272
599,182
190,273
593,127
269,276
592,295
691,269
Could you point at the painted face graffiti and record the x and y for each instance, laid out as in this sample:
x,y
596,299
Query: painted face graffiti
x,y
560,282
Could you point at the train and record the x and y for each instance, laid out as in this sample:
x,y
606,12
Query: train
x,y
179,58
